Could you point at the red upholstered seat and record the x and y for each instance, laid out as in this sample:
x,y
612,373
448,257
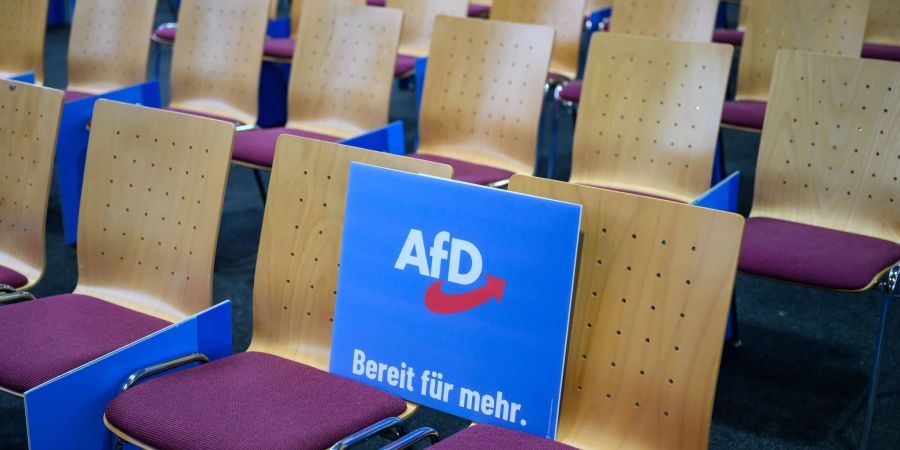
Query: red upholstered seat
x,y
376,2
282,48
571,92
496,438
69,95
166,32
476,10
258,146
812,255
249,401
744,113
881,51
469,172
728,36
12,278
45,338
405,65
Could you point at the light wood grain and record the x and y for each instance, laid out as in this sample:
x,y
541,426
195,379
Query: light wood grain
x,y
108,45
298,7
22,27
593,5
343,68
683,20
833,27
29,123
649,115
883,26
418,21
744,14
217,58
299,253
484,92
653,290
154,183
564,16
830,149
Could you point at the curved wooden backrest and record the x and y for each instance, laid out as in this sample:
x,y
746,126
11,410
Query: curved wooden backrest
x,y
830,155
883,26
22,28
343,68
565,16
484,92
593,5
29,122
108,46
683,20
649,115
651,305
217,58
744,14
294,290
833,27
297,8
154,183
418,21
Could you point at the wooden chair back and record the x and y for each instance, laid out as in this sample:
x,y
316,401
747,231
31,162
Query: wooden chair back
x,y
154,183
833,27
648,323
743,14
418,21
883,26
564,16
299,252
108,45
29,123
830,151
682,20
343,68
23,24
297,8
484,92
217,58
649,115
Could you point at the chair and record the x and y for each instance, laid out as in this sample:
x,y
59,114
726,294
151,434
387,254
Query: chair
x,y
833,27
824,211
418,24
165,33
341,79
882,39
147,238
293,311
734,37
282,49
482,100
648,318
22,27
650,115
29,120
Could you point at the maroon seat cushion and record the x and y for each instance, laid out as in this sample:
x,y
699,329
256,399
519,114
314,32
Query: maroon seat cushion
x,y
12,278
69,96
476,10
202,114
881,51
405,65
812,255
571,92
469,172
496,438
376,2
258,146
45,338
728,36
744,113
280,48
166,32
248,401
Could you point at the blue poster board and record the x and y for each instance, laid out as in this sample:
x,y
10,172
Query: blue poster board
x,y
456,296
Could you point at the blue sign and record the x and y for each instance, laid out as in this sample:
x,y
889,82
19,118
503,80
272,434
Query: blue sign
x,y
456,296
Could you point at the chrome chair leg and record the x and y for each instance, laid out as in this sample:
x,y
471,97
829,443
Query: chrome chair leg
x,y
889,290
6,289
15,297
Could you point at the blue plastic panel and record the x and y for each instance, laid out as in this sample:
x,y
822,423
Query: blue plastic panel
x,y
27,77
388,139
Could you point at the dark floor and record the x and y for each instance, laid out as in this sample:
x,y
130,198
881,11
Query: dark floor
x,y
798,382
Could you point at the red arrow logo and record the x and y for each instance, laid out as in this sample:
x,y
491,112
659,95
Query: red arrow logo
x,y
440,303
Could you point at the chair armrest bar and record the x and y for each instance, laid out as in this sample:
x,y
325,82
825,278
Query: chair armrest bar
x,y
15,297
892,283
6,289
140,375
413,438
370,431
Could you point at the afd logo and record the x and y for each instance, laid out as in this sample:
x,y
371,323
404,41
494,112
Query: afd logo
x,y
413,254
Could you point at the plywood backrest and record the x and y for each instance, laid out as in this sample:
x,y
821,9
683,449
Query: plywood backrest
x,y
883,26
744,14
484,92
29,122
217,58
830,149
294,290
418,21
649,115
343,68
833,27
108,46
683,20
151,203
594,5
297,8
22,27
653,290
564,16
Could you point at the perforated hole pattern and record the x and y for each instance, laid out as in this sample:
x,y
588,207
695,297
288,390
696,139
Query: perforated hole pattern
x,y
683,20
22,25
418,21
884,22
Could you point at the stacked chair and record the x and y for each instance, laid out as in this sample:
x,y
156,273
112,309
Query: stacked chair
x,y
22,30
418,25
282,49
